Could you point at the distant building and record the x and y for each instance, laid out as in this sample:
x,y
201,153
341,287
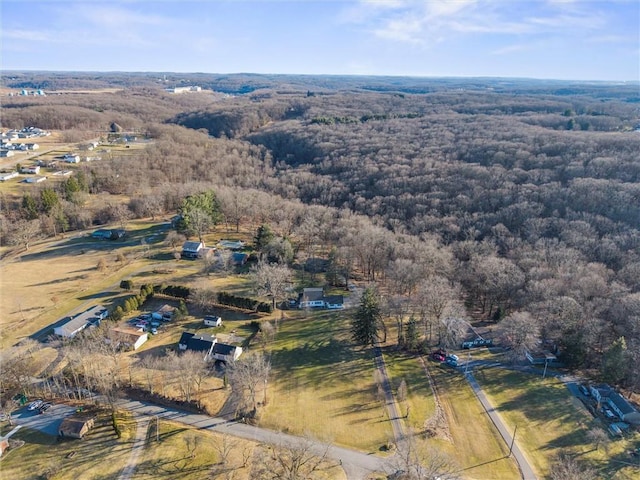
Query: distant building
x,y
315,298
76,426
209,347
71,326
129,338
190,88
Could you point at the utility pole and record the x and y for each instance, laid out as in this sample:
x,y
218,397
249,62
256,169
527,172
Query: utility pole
x,y
546,362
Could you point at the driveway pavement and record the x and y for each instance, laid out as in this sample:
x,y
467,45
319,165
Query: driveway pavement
x,y
525,468
47,422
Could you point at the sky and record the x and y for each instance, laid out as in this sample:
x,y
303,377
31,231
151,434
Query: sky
x,y
552,39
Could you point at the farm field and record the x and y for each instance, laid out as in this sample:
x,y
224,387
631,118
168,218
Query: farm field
x,y
551,421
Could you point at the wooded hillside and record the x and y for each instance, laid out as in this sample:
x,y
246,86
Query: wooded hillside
x,y
508,197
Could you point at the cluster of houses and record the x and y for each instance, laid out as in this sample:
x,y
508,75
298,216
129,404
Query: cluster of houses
x,y
190,88
8,147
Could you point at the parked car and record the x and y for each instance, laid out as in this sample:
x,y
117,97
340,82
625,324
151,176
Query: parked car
x,y
145,316
154,331
452,360
437,357
44,407
584,391
35,405
608,413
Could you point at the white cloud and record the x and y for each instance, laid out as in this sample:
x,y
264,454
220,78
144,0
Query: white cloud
x,y
421,22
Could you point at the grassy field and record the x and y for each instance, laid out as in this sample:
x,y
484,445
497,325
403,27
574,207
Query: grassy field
x,y
551,421
323,386
468,437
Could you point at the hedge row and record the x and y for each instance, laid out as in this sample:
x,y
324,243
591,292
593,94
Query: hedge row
x,y
177,291
225,298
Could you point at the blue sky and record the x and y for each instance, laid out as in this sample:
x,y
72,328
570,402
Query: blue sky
x,y
561,39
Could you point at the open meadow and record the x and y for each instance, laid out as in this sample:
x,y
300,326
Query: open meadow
x,y
551,421
324,386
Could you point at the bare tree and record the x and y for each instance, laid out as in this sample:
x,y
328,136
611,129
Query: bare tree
x,y
23,232
567,467
519,333
411,463
271,280
246,376
302,460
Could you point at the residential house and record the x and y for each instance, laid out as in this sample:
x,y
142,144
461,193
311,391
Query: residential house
x,y
70,158
129,338
201,343
212,321
76,426
621,406
35,179
311,298
231,244
239,258
226,353
209,347
8,176
30,169
71,326
334,302
6,153
315,298
192,249
606,395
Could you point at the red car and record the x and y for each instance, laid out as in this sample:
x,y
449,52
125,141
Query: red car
x,y
438,357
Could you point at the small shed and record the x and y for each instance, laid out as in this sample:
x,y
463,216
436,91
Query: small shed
x,y
76,426
212,321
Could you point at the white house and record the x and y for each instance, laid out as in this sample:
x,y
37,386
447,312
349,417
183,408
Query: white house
x,y
192,249
311,298
212,321
8,176
32,169
34,179
226,353
71,326
6,153
129,337
69,158
315,298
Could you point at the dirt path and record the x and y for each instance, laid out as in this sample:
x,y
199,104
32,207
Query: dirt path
x,y
138,446
390,402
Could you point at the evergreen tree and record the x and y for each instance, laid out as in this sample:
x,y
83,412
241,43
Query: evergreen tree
x,y
614,361
411,334
367,319
48,199
264,236
29,206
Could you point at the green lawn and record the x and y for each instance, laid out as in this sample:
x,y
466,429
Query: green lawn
x,y
551,421
322,385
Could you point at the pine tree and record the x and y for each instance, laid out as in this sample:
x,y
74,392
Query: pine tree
x,y
411,334
366,321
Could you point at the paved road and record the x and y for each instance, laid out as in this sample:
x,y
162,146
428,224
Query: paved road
x,y
525,469
356,464
390,402
47,422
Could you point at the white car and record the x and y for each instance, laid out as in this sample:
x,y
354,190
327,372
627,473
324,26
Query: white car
x,y
35,405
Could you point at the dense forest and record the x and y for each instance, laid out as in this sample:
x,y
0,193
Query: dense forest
x,y
507,201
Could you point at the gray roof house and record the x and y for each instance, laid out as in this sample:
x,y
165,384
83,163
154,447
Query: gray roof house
x,y
208,345
197,343
315,298
192,249
74,325
620,405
